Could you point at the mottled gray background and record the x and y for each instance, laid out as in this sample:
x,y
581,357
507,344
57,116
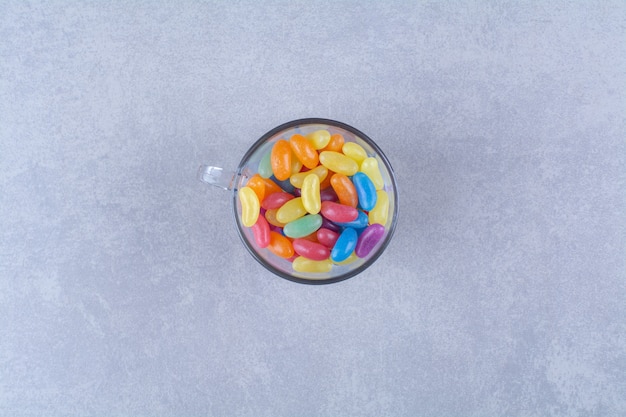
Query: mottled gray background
x,y
125,291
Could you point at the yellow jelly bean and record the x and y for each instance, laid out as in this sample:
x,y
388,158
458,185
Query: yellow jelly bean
x,y
311,199
339,163
369,167
354,151
296,165
250,206
298,179
380,212
302,264
319,139
291,210
348,260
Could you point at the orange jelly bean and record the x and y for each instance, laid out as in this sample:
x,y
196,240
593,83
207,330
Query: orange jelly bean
x,y
326,183
271,187
270,216
257,183
281,160
304,151
345,190
335,144
280,246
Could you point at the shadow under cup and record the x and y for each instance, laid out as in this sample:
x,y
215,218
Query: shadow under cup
x,y
249,166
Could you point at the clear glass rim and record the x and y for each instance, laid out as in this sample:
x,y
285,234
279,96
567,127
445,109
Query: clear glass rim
x,y
315,121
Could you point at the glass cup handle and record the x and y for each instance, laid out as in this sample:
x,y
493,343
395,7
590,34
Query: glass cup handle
x,y
216,177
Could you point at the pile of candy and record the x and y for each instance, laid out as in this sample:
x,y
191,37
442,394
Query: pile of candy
x,y
317,200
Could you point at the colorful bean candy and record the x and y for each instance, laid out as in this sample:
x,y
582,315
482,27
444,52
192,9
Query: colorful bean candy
x,y
344,246
303,226
365,191
339,163
250,206
316,201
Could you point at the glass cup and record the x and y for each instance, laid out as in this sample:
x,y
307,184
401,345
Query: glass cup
x,y
233,181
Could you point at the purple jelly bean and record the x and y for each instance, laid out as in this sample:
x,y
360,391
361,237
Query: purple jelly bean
x,y
328,195
330,225
368,239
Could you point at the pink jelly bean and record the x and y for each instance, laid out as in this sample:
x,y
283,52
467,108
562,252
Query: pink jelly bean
x,y
338,212
327,237
368,239
275,200
261,231
311,250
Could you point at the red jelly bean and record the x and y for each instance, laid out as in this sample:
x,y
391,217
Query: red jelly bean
x,y
276,200
368,239
338,212
311,250
327,237
261,231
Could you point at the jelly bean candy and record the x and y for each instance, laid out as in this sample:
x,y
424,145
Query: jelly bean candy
x,y
365,190
271,186
311,199
344,188
270,216
304,151
369,167
327,224
310,237
303,226
368,239
250,206
284,185
328,195
380,212
339,213
339,163
298,179
302,264
296,165
354,151
281,160
280,246
348,260
291,210
359,223
344,246
327,237
261,231
265,165
276,200
319,139
326,182
257,184
311,250
335,144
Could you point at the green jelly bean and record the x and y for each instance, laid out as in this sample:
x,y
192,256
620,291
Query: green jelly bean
x,y
303,226
265,165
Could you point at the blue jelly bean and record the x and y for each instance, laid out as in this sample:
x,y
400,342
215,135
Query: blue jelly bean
x,y
345,245
359,223
365,190
285,185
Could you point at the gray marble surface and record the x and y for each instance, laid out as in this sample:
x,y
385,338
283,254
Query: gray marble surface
x,y
124,288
